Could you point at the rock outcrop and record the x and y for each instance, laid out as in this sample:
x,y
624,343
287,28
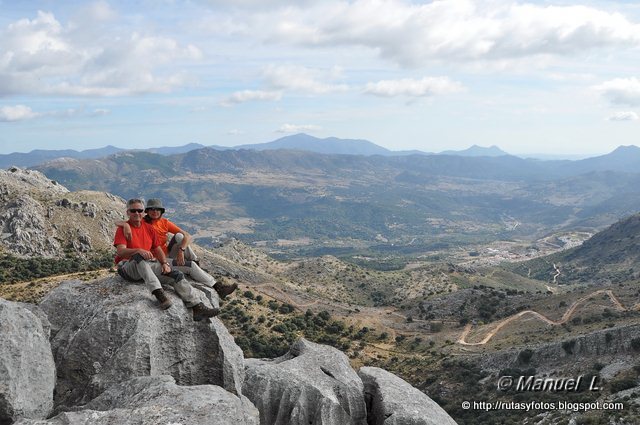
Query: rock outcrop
x,y
153,400
119,359
311,384
41,218
109,331
603,346
392,401
27,370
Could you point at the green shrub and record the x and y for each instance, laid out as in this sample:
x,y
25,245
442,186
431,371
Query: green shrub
x,y
525,356
568,346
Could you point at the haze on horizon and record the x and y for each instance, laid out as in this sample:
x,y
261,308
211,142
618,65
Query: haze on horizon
x,y
555,77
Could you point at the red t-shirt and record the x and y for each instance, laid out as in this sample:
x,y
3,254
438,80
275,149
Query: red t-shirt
x,y
143,237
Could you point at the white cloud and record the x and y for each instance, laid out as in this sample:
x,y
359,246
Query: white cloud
x,y
16,113
235,132
623,116
100,112
22,113
427,86
255,4
41,56
99,11
76,112
621,91
303,79
412,34
293,128
251,95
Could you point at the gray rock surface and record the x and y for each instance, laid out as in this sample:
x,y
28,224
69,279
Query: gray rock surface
x,y
605,346
41,218
27,370
25,229
108,331
158,400
393,401
311,384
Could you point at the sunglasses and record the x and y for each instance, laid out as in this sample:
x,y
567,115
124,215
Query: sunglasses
x,y
136,210
154,209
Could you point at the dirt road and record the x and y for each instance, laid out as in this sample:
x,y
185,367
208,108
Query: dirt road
x,y
565,317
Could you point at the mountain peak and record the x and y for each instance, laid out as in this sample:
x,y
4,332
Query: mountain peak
x,y
476,150
329,145
626,149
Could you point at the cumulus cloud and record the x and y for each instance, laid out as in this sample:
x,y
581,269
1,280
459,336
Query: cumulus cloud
x,y
427,86
621,91
303,79
623,116
22,113
293,128
42,56
251,95
16,113
413,34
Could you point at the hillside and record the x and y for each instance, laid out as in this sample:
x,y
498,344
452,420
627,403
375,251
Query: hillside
x,y
449,327
299,203
610,256
48,229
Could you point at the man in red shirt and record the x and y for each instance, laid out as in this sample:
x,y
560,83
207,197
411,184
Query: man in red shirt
x,y
142,258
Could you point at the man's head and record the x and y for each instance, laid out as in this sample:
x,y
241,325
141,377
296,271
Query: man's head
x,y
135,209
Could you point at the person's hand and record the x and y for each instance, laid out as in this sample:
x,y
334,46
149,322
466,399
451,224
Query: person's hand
x,y
180,258
166,268
147,255
126,229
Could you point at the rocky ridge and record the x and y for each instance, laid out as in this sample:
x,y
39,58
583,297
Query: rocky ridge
x,y
120,359
41,218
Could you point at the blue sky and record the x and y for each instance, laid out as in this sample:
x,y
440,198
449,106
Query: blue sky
x,y
556,77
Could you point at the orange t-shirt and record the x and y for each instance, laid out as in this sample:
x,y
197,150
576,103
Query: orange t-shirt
x,y
141,237
162,226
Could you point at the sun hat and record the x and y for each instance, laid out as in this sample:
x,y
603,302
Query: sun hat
x,y
154,203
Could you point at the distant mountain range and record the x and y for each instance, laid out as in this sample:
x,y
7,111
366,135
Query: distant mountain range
x,y
412,202
301,142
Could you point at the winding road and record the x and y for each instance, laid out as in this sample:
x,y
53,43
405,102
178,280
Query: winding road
x,y
462,340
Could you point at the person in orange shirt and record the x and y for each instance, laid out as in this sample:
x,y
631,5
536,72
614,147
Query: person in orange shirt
x,y
178,248
141,258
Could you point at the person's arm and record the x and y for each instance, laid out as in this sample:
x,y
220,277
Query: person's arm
x,y
125,252
159,254
126,228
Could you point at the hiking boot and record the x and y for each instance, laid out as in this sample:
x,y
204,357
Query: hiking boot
x,y
224,289
201,311
165,302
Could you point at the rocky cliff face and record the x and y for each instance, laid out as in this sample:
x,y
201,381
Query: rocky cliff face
x,y
41,218
27,371
120,359
604,346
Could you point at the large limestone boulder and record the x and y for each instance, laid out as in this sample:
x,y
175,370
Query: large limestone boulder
x,y
311,384
393,401
27,370
108,331
158,400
